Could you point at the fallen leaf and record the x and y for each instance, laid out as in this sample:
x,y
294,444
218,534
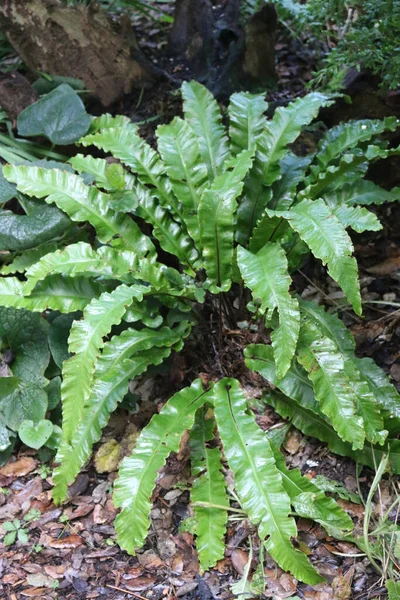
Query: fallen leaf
x,y
18,468
35,592
40,580
387,267
341,585
71,541
240,559
107,457
150,560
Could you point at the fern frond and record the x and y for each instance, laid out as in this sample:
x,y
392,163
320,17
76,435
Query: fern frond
x,y
266,274
328,240
28,258
216,219
55,292
133,151
97,167
246,120
384,392
257,480
178,146
208,486
315,426
345,136
333,390
107,121
86,341
362,192
310,502
282,130
80,202
137,474
204,117
124,357
172,237
357,217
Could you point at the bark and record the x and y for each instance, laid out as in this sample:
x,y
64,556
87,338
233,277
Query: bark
x,y
16,93
222,52
77,41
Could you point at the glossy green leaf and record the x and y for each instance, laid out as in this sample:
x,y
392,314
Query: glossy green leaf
x,y
35,435
216,219
257,479
204,117
59,115
246,120
137,474
266,274
19,401
328,241
124,357
208,487
80,202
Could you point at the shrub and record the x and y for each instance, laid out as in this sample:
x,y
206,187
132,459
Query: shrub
x,y
213,213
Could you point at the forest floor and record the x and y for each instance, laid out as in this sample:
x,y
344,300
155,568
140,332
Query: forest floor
x,y
70,551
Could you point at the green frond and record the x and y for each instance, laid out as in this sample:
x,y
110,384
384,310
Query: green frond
x,y
326,369
85,341
107,121
179,148
208,486
246,120
362,192
266,274
80,202
124,357
328,240
204,117
137,474
217,218
258,481
281,130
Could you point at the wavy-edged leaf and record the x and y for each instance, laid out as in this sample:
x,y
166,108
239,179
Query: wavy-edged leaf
x,y
384,392
55,292
328,240
293,169
107,121
208,486
39,225
246,120
86,341
172,237
179,148
124,357
326,369
266,274
143,160
362,192
295,384
357,217
28,258
282,130
94,166
257,479
310,502
137,474
204,117
314,425
345,136
216,218
80,202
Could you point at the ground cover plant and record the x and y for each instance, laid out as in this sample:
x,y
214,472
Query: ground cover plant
x,y
215,215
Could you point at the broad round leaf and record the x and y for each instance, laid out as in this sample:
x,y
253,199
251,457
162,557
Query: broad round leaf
x,y
35,435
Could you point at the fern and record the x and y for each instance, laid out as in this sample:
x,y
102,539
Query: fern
x,y
208,488
159,232
134,486
257,480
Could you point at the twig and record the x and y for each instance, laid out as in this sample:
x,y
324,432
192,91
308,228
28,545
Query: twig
x,y
114,587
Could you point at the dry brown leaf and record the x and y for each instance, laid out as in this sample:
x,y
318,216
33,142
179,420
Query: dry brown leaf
x,y
341,585
387,267
18,468
240,559
70,541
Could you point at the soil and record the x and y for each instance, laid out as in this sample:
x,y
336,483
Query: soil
x,y
71,552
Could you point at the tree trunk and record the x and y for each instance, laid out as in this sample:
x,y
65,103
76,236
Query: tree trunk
x,y
77,41
222,52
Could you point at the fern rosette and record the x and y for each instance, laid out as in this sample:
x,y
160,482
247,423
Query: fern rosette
x,y
213,214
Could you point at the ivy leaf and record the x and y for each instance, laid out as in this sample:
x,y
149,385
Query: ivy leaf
x,y
7,190
60,116
35,435
58,337
20,401
25,334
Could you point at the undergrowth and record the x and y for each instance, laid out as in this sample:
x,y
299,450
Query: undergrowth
x,y
216,216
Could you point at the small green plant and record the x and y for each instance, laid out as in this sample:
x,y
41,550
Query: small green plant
x,y
15,531
214,216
